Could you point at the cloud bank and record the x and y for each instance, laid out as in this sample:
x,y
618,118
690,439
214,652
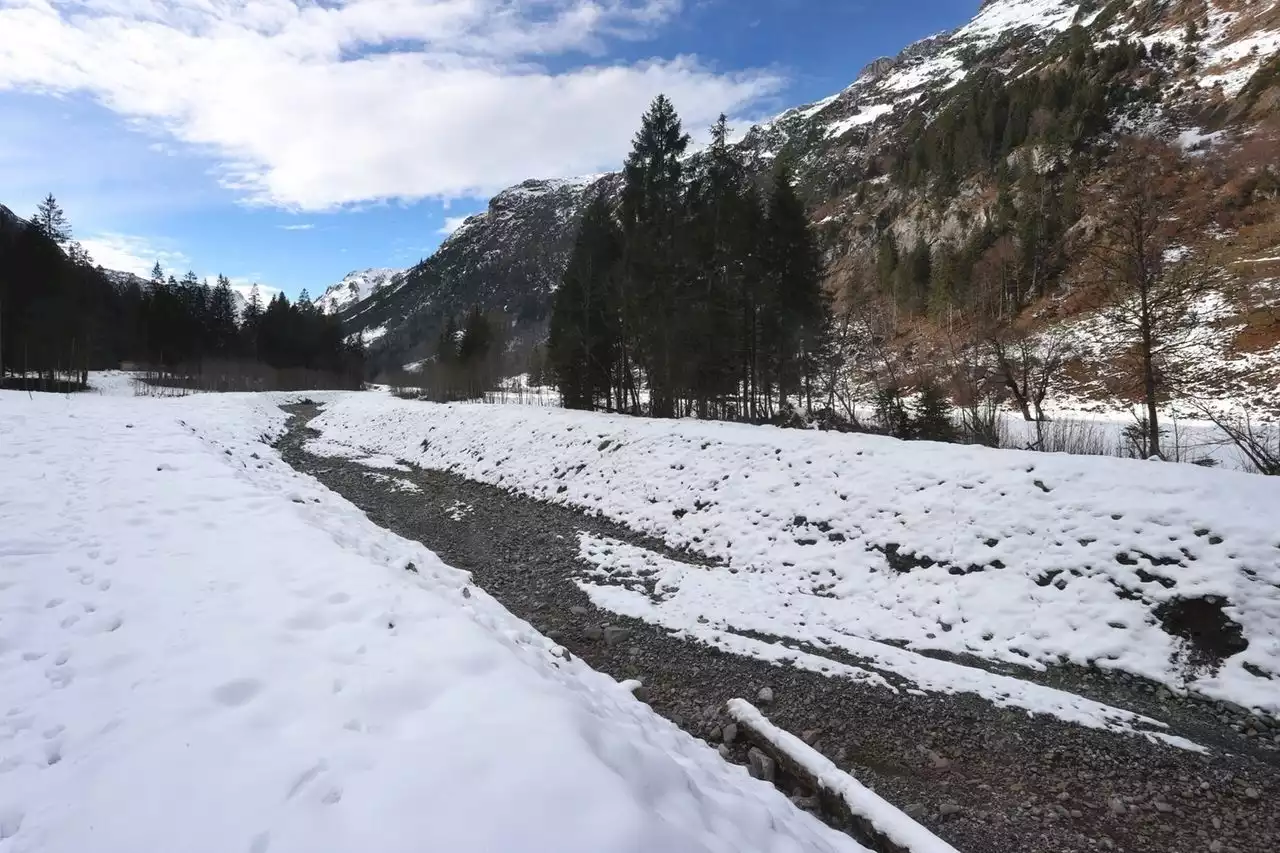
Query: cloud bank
x,y
316,105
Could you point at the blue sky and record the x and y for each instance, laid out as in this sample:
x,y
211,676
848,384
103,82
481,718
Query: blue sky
x,y
288,143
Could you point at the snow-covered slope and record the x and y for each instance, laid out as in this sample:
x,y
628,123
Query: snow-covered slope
x,y
357,285
203,651
867,544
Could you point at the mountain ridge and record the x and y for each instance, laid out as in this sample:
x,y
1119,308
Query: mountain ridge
x,y
1204,67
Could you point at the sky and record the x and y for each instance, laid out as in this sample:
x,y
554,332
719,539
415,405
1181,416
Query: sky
x,y
289,142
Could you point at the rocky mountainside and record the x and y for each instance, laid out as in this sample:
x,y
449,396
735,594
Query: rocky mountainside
x,y
356,286
1202,73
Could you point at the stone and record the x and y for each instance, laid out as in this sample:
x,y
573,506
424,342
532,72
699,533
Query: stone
x,y
579,610
724,751
716,733
730,733
593,632
1215,846
1117,807
810,736
1163,807
762,766
949,809
615,634
765,696
1252,793
1077,814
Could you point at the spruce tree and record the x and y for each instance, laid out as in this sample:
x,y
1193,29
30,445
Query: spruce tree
x,y
652,204
584,318
799,303
50,221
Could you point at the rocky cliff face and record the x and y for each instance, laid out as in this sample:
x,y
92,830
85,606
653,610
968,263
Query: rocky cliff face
x,y
1210,72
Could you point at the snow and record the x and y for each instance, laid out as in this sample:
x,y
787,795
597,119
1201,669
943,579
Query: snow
x,y
721,611
1003,15
862,801
202,650
371,335
1239,59
1022,559
867,116
356,286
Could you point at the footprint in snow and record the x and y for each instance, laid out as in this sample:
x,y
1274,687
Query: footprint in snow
x,y
238,692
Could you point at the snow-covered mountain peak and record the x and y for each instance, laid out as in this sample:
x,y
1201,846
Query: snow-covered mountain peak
x,y
357,285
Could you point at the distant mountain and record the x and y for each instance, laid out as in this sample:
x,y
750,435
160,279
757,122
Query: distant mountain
x,y
358,285
508,258
914,147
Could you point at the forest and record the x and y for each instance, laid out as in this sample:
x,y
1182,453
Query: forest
x,y
697,293
61,316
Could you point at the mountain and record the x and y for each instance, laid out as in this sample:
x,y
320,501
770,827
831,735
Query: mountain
x,y
915,147
356,286
508,258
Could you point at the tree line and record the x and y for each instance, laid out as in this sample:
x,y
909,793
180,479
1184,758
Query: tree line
x,y
60,316
696,292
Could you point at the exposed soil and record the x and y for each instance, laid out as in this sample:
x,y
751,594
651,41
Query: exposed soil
x,y
988,780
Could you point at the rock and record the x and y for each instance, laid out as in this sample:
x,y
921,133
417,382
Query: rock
x,y
1163,807
810,736
762,766
916,811
716,733
938,761
579,610
615,634
1076,814
730,733
1117,807
724,751
1252,793
809,804
765,696
466,591
593,632
949,809
1215,846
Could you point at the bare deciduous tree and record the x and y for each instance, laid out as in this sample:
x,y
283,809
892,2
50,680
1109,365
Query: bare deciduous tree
x,y
1147,252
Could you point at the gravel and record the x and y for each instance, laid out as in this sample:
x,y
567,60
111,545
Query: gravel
x,y
981,777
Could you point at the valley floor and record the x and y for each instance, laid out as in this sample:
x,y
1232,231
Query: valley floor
x,y
203,650
992,757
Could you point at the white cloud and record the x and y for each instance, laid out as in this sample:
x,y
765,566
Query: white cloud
x,y
452,223
135,254
307,226
129,253
244,287
313,106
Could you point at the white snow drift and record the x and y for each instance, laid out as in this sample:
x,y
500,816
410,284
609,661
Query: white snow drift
x,y
835,540
201,650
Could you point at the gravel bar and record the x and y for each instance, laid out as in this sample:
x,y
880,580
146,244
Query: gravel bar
x,y
985,779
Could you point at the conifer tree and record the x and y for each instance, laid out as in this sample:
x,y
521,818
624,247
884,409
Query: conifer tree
x,y
51,221
584,317
652,203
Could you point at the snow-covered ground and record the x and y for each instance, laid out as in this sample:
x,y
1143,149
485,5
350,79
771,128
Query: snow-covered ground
x,y
202,650
847,542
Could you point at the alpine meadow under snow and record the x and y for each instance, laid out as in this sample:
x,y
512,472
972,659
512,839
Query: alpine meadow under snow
x,y
202,650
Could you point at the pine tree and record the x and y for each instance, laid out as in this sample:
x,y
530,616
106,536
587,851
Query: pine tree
x,y
222,317
652,204
801,306
51,221
584,319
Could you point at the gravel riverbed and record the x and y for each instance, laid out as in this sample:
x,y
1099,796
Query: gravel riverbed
x,y
986,779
